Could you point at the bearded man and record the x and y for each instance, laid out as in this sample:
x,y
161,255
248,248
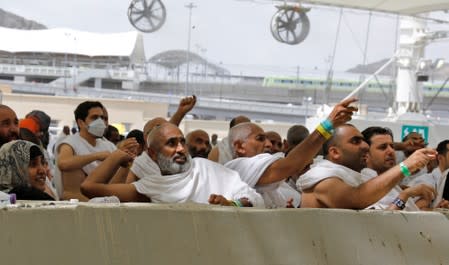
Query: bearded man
x,y
181,178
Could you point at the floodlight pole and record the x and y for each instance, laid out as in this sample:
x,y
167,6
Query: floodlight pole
x,y
190,7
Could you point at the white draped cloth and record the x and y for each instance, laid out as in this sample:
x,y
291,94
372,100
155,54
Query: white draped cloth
x,y
387,200
202,179
325,169
224,151
252,168
143,166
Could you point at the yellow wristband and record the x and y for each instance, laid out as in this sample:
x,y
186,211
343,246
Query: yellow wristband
x,y
323,132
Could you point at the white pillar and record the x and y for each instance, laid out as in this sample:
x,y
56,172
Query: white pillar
x,y
412,42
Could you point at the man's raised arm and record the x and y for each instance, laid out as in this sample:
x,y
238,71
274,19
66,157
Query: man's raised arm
x,y
302,155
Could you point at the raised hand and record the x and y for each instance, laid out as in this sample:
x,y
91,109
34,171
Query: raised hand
x,y
419,159
342,112
186,104
129,146
123,158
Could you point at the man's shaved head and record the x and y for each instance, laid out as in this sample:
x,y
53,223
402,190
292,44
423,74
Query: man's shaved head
x,y
198,143
151,124
238,120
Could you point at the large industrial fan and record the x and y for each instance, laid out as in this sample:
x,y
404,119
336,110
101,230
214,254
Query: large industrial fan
x,y
290,24
147,15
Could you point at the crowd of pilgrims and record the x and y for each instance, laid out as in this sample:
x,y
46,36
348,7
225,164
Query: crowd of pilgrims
x,y
334,166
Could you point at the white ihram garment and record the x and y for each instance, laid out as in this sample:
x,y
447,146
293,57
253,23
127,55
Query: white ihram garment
x,y
143,166
202,179
252,168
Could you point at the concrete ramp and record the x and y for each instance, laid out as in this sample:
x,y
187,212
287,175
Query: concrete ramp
x,y
195,234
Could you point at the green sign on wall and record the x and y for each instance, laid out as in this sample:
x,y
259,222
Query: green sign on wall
x,y
423,130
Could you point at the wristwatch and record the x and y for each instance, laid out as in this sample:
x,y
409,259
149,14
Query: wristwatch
x,y
399,203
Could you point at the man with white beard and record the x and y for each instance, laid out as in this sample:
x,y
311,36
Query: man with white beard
x,y
182,179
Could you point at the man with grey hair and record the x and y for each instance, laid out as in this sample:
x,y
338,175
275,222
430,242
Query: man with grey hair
x,y
266,172
221,153
182,178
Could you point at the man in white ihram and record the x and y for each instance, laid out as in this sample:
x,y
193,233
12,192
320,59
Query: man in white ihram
x,y
183,179
336,182
266,172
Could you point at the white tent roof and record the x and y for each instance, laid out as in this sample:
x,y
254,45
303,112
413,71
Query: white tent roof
x,y
404,7
67,41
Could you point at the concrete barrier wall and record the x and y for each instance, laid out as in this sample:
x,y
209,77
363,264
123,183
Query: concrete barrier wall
x,y
194,234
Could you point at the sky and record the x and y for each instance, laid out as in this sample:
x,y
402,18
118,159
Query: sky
x,y
235,33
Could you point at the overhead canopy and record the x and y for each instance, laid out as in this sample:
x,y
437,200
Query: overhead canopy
x,y
67,41
403,7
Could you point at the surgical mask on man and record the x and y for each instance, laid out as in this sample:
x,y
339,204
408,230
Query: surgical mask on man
x,y
97,128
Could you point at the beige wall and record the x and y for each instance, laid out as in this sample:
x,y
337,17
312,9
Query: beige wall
x,y
120,111
193,234
62,108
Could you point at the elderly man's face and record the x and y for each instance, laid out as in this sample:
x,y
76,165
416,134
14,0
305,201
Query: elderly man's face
x,y
9,125
256,143
172,156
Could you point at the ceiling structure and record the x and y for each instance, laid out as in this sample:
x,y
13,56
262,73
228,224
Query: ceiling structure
x,y
403,7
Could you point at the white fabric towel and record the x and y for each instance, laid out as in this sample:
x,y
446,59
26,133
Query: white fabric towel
x,y
143,166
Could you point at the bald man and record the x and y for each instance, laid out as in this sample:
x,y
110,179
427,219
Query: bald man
x,y
336,181
198,143
181,178
267,172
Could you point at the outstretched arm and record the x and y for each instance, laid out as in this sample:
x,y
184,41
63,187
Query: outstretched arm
x,y
334,193
95,185
67,160
185,105
302,155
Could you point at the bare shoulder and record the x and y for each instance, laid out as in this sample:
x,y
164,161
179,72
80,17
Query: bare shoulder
x,y
332,192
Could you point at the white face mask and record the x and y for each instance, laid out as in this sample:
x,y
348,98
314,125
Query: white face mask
x,y
97,128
